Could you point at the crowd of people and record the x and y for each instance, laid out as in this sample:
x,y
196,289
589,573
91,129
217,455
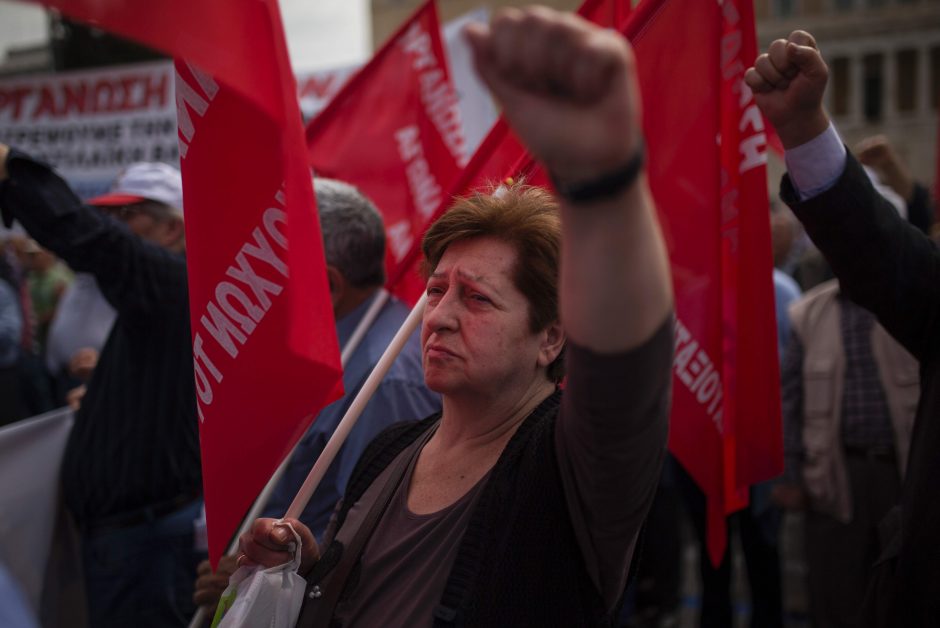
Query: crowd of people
x,y
477,489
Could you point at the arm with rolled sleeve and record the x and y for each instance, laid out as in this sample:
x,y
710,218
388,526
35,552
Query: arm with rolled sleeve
x,y
883,263
889,267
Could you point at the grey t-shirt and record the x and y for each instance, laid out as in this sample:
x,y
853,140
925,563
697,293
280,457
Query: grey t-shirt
x,y
610,437
406,562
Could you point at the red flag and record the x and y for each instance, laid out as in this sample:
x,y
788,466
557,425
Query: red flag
x,y
494,160
608,13
706,145
394,131
265,351
745,139
500,156
707,160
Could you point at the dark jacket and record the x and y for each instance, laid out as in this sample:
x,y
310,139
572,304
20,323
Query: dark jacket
x,y
135,443
888,266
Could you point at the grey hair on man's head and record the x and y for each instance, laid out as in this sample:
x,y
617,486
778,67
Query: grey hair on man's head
x,y
353,233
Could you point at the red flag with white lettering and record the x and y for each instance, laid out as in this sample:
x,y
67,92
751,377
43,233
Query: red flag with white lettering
x,y
265,352
707,155
757,432
394,131
499,155
706,147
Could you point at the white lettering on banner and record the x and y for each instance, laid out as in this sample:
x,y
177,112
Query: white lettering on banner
x,y
202,383
319,87
437,94
753,146
260,287
103,95
425,190
232,316
400,238
698,374
188,98
751,138
272,216
91,124
78,155
71,145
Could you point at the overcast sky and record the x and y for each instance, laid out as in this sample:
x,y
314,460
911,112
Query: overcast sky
x,y
320,33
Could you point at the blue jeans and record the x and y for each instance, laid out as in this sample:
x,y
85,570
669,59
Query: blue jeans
x,y
142,575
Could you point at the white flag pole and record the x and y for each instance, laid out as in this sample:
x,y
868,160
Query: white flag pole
x,y
381,298
355,409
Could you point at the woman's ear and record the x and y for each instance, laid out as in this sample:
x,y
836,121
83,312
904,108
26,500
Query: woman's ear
x,y
553,340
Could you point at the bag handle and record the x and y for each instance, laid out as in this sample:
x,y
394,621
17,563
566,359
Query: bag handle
x,y
325,606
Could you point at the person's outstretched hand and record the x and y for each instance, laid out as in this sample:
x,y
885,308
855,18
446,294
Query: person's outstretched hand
x,y
788,82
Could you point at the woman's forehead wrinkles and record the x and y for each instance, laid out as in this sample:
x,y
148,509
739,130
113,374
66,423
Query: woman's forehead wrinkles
x,y
487,279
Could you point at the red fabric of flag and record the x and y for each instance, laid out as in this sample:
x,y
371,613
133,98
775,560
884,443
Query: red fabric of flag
x,y
499,155
747,251
707,155
265,352
394,131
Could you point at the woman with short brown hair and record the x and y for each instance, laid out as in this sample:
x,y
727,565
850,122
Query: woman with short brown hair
x,y
519,504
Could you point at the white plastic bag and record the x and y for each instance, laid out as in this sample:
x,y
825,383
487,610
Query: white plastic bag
x,y
263,598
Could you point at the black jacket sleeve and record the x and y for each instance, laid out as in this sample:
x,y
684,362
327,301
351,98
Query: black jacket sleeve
x,y
883,263
919,209
134,275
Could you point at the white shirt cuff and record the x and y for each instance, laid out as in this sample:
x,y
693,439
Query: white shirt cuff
x,y
815,166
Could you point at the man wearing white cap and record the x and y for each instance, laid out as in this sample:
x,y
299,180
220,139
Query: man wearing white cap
x,y
131,474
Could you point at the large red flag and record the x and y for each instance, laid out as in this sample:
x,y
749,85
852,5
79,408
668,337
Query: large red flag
x,y
748,259
706,147
265,352
394,131
499,155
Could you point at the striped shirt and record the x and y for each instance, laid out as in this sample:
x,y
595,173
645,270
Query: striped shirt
x,y
135,442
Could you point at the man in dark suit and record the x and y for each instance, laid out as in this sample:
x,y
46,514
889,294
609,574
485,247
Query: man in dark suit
x,y
888,267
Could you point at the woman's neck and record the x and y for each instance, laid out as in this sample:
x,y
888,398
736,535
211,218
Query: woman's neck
x,y
473,422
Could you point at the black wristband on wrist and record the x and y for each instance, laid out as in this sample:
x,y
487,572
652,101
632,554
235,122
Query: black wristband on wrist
x,y
605,186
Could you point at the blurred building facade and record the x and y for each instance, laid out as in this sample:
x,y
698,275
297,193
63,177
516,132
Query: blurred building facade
x,y
71,45
884,63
